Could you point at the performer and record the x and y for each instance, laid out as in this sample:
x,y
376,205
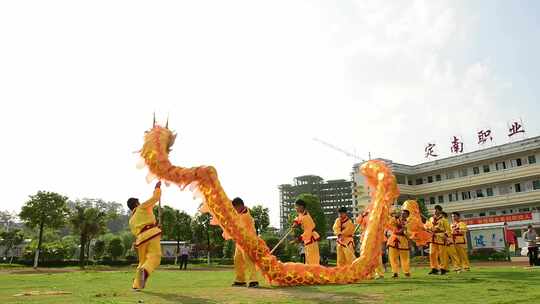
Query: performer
x,y
309,237
148,236
242,263
438,256
459,232
398,245
344,230
451,248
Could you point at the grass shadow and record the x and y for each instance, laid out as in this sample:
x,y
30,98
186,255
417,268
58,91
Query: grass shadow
x,y
178,298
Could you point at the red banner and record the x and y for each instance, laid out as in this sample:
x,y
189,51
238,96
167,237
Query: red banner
x,y
499,219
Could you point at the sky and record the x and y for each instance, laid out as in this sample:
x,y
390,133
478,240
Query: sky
x,y
247,85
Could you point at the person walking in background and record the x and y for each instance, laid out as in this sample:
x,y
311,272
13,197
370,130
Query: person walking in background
x,y
184,256
530,237
511,239
302,254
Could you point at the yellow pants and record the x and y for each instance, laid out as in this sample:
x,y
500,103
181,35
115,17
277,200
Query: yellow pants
x,y
396,256
149,258
438,256
345,255
379,271
243,265
461,250
453,255
312,253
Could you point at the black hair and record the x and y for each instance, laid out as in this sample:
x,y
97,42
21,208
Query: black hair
x,y
342,210
405,210
438,207
132,203
237,202
444,214
457,214
530,226
300,202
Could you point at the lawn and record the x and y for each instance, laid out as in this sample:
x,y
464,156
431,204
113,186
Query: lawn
x,y
485,284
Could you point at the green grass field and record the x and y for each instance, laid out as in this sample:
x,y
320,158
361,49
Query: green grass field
x,y
486,284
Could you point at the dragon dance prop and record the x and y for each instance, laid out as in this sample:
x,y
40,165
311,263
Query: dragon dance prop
x,y
204,183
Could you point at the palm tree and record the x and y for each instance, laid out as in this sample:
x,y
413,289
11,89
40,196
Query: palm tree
x,y
87,222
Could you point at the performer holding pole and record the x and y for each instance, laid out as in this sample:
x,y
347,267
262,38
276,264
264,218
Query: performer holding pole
x,y
243,265
459,231
309,237
344,230
398,245
148,236
451,248
438,257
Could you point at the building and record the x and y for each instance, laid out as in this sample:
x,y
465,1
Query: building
x,y
489,186
332,193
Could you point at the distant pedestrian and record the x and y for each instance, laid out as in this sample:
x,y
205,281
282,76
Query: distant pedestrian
x,y
184,256
302,254
530,237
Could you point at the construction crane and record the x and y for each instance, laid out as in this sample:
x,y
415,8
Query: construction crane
x,y
333,147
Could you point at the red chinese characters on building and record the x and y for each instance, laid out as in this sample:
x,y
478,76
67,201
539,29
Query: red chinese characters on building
x,y
457,145
430,150
500,219
515,129
484,136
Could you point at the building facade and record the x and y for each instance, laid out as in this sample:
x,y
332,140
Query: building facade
x,y
488,186
332,193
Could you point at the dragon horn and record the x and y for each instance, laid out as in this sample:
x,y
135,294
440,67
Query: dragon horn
x,y
167,123
154,123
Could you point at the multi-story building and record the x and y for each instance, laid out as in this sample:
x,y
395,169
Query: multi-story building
x,y
492,185
332,193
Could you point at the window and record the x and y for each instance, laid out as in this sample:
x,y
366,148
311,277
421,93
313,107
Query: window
x,y
440,199
409,182
482,214
500,166
466,195
463,172
492,213
486,168
479,193
524,209
517,187
430,179
468,215
518,162
532,159
503,189
419,181
503,212
476,170
536,184
432,201
450,197
438,177
450,175
489,191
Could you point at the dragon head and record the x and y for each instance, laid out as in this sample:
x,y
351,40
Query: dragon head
x,y
158,142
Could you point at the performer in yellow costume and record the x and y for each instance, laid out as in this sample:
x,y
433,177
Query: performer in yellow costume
x,y
148,236
309,237
344,230
398,244
242,263
451,249
438,256
459,231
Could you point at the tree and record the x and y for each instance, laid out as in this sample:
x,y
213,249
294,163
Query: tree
x,y
423,210
208,235
87,221
7,220
99,249
313,206
261,217
116,249
10,239
44,209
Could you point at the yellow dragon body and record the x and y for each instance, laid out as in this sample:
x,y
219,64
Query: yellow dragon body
x,y
205,183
